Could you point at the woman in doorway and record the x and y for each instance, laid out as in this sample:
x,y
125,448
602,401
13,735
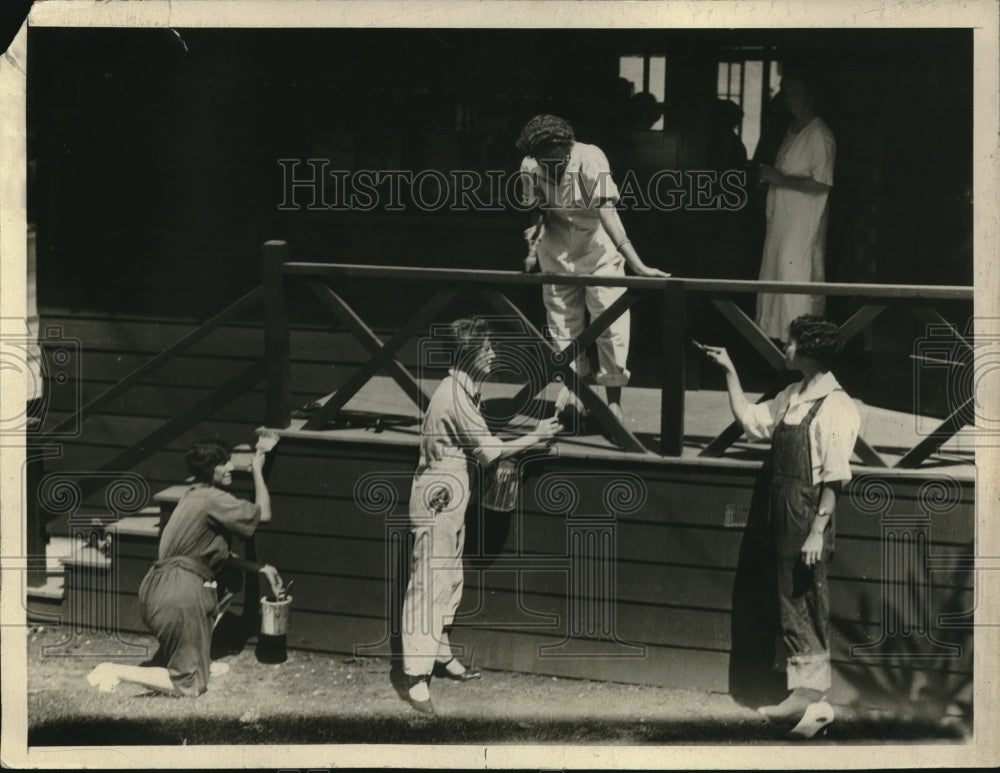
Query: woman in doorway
x,y
798,188
813,426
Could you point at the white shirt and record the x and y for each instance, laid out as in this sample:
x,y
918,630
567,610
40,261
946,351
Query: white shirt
x,y
832,434
574,241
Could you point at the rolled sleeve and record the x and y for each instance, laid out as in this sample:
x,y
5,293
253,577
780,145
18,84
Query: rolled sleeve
x,y
836,432
474,434
759,419
236,515
597,185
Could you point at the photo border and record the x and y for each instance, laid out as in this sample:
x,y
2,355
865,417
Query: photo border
x,y
981,15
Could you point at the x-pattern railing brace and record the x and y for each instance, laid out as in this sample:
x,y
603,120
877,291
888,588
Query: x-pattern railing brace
x,y
766,348
958,418
382,355
559,364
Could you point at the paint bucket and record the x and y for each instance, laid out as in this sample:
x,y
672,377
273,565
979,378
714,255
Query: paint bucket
x,y
272,642
500,491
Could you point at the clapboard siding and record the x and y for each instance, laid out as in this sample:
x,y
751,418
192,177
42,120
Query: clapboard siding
x,y
673,548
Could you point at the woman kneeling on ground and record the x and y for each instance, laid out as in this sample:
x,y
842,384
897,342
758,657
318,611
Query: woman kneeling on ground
x,y
178,597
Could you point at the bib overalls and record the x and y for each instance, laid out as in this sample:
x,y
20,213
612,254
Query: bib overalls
x,y
803,646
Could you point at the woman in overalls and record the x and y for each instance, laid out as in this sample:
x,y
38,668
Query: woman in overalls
x,y
813,426
178,598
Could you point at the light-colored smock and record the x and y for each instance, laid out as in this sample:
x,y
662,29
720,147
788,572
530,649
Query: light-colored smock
x,y
795,245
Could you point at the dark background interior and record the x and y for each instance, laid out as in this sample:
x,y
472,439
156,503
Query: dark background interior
x,y
154,177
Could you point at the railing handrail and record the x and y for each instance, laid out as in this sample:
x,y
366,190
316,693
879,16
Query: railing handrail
x,y
484,276
674,343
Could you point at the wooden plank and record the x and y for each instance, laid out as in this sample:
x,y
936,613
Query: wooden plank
x,y
933,317
646,590
144,337
717,286
677,494
417,323
164,402
734,431
600,414
941,435
363,558
753,334
133,378
277,341
379,356
867,454
180,424
861,319
504,611
673,340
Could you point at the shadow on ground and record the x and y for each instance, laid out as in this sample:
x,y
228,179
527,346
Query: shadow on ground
x,y
343,729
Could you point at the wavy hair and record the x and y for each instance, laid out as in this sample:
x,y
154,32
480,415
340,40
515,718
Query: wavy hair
x,y
464,338
542,132
817,338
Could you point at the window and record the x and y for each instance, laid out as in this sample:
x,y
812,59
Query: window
x,y
750,83
647,73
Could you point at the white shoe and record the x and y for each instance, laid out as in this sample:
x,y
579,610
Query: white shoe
x,y
102,677
218,668
816,717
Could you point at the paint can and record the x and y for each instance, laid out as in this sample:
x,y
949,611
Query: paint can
x,y
500,491
272,641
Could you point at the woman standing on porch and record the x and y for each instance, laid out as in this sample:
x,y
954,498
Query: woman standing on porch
x,y
453,436
799,186
577,231
813,426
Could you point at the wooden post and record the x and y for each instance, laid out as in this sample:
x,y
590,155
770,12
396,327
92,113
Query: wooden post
x,y
34,472
277,338
672,342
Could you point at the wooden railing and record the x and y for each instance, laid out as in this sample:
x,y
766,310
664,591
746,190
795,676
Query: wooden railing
x,y
673,292
177,425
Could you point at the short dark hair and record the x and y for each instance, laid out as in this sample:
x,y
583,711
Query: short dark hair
x,y
817,338
204,456
464,338
542,132
806,73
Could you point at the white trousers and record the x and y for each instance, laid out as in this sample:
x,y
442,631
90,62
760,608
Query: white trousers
x,y
436,575
565,308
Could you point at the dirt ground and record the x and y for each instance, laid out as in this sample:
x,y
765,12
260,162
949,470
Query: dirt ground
x,y
317,698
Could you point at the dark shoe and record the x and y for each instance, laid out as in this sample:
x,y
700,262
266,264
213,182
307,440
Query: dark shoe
x,y
441,669
424,706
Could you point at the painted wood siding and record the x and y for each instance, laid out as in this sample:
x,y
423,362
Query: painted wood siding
x,y
664,554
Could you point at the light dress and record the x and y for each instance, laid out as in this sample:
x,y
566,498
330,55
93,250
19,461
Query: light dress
x,y
795,245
